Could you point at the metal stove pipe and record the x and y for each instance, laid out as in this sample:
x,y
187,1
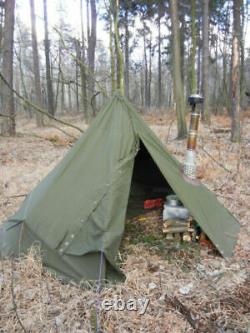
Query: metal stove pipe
x,y
189,167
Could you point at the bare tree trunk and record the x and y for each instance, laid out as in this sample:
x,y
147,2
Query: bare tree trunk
x,y
69,97
22,79
17,88
178,84
224,74
182,32
146,104
126,46
193,50
142,90
235,73
225,86
1,22
199,61
58,75
83,68
8,105
111,50
50,94
159,62
205,62
119,56
216,78
149,70
36,65
62,91
91,51
78,56
242,57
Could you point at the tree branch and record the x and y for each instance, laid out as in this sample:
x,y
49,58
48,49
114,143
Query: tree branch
x,y
81,63
209,155
35,107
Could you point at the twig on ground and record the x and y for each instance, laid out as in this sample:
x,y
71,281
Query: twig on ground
x,y
5,116
239,159
2,273
176,304
18,196
221,130
50,300
14,298
6,202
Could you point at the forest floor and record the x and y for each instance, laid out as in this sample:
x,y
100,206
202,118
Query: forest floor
x,y
190,289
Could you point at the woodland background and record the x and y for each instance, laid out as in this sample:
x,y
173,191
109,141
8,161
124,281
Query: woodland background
x,y
156,52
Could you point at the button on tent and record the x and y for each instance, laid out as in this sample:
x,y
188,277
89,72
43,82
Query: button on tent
x,y
77,213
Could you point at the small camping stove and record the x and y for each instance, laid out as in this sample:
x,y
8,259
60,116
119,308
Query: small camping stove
x,y
173,209
176,219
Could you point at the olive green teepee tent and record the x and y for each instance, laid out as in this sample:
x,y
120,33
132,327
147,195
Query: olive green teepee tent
x,y
77,213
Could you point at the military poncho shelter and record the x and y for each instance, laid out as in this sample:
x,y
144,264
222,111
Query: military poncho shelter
x,y
77,213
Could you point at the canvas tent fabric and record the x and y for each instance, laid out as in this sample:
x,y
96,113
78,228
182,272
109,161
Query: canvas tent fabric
x,y
77,213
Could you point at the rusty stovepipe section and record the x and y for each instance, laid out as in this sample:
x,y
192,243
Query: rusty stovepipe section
x,y
189,167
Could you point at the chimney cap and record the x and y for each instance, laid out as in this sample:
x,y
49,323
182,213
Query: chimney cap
x,y
195,99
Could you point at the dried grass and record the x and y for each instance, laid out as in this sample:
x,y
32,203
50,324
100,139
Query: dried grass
x,y
44,304
219,296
